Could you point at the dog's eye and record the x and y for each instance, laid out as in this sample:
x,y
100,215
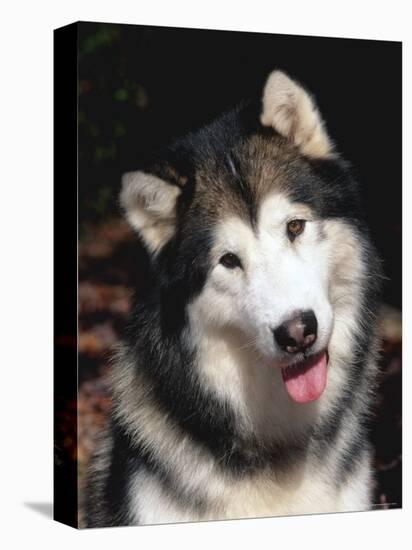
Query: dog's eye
x,y
230,261
295,228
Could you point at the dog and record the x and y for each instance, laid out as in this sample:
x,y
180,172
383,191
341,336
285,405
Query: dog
x,y
245,381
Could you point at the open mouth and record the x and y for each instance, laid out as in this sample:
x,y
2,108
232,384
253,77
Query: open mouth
x,y
305,381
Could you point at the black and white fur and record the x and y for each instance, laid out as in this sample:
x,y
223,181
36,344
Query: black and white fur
x,y
202,426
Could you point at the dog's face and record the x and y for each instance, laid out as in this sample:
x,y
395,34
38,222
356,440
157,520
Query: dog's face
x,y
257,238
265,278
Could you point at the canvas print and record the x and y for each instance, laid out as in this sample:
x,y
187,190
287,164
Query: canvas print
x,y
228,306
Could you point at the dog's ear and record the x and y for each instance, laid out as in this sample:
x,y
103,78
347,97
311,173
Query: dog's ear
x,y
149,203
292,112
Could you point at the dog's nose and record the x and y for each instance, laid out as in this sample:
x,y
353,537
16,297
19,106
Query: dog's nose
x,y
297,334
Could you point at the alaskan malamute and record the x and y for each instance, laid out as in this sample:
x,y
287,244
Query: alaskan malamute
x,y
245,380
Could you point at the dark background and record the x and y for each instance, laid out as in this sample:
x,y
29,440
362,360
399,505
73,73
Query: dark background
x,y
139,87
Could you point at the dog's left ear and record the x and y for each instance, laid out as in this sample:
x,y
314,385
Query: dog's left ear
x,y
291,111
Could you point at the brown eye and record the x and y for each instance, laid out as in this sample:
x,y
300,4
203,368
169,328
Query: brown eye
x,y
295,228
230,261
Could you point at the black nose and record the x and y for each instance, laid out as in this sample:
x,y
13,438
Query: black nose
x,y
298,333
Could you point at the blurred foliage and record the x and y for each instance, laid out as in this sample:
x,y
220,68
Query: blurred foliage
x,y
104,36
110,101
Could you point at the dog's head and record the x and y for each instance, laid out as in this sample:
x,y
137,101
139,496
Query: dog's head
x,y
253,225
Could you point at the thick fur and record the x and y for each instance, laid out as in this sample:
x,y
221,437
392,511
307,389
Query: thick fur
x,y
202,426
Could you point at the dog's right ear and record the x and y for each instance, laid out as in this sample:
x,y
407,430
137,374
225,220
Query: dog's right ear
x,y
149,203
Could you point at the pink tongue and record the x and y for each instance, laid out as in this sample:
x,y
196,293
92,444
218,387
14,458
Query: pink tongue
x,y
306,381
